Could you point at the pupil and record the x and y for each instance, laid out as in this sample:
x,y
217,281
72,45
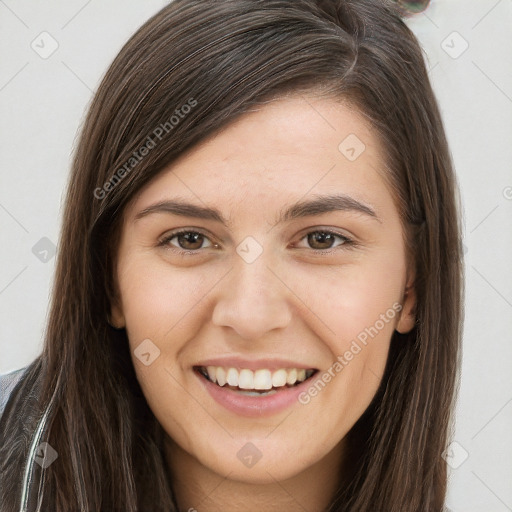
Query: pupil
x,y
322,238
191,238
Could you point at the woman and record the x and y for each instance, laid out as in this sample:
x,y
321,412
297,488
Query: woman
x,y
257,301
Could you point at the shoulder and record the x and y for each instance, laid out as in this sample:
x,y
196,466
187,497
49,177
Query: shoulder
x,y
8,382
20,411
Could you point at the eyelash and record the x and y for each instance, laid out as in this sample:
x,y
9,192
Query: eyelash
x,y
347,242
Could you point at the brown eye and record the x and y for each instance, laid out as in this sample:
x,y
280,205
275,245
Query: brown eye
x,y
186,240
322,240
190,241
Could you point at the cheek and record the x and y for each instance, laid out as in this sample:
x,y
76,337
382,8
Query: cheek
x,y
157,300
356,301
163,305
358,305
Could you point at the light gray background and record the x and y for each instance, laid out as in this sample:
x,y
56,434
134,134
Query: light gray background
x,y
42,102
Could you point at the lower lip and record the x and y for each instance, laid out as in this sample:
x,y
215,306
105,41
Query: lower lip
x,y
254,406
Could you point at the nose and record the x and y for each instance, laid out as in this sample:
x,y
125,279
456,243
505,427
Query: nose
x,y
253,300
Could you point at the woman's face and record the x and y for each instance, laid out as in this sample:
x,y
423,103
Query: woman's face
x,y
291,261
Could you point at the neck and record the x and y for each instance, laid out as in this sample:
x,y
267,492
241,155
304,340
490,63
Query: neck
x,y
199,489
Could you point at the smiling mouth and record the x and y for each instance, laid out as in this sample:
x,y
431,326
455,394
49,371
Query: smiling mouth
x,y
262,382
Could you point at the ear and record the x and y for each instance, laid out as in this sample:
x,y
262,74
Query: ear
x,y
116,318
408,313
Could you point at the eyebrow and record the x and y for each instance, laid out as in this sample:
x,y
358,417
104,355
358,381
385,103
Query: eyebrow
x,y
312,207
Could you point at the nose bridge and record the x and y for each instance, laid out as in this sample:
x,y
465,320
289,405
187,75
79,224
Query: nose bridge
x,y
253,300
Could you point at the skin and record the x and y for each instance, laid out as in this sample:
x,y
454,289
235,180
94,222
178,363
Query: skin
x,y
289,303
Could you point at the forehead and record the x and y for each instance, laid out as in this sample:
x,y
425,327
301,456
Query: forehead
x,y
284,151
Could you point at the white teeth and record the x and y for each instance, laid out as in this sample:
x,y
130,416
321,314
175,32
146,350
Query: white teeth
x,y
291,377
279,378
211,373
232,377
221,376
262,379
246,379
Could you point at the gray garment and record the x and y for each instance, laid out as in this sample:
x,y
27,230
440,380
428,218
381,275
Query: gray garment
x,y
8,382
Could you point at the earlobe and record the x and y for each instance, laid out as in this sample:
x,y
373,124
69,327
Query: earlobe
x,y
408,314
116,317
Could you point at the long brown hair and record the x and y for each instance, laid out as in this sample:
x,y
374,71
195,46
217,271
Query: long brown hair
x,y
222,58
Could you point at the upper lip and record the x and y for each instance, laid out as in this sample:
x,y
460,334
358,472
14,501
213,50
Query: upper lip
x,y
254,364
